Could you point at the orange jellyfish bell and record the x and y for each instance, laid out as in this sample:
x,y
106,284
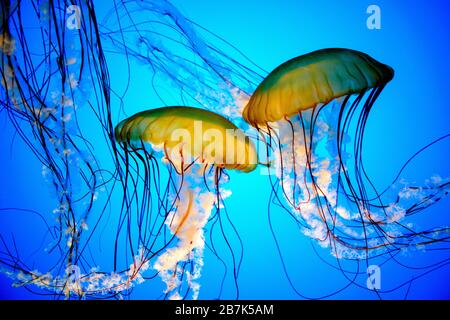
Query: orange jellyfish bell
x,y
308,80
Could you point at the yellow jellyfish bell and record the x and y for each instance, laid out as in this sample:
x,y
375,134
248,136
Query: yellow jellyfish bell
x,y
308,80
190,133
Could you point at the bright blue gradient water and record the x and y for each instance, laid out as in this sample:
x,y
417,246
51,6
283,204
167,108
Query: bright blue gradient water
x,y
411,112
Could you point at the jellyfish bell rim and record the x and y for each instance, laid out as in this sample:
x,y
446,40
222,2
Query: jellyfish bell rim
x,y
125,134
344,71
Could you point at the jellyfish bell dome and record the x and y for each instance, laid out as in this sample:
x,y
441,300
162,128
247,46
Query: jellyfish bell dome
x,y
199,134
308,80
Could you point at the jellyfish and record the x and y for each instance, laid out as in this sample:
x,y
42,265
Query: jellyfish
x,y
196,147
311,113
